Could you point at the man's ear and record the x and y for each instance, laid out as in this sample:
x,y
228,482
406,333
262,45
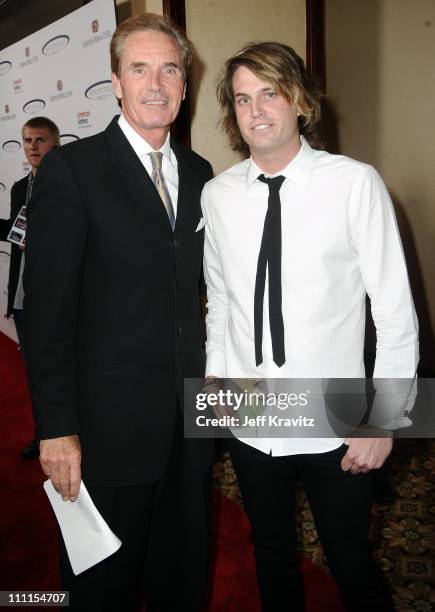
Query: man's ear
x,y
116,86
184,91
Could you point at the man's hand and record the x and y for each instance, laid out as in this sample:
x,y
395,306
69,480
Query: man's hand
x,y
212,386
365,454
60,460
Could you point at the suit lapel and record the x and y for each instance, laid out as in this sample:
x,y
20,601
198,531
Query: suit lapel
x,y
186,178
132,176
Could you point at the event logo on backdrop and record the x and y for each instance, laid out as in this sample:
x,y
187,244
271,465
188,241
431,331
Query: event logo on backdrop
x,y
95,28
34,106
5,66
11,146
99,90
83,119
7,116
54,67
66,138
62,94
29,60
55,45
18,85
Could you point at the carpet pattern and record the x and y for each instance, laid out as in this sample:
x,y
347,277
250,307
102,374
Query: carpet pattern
x,y
403,536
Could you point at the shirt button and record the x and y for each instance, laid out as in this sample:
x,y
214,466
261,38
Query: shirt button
x,y
178,285
180,329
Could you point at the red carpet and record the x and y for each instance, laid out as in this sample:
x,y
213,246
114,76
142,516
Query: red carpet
x,y
28,550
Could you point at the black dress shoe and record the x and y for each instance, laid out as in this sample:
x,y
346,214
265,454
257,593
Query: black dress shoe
x,y
31,451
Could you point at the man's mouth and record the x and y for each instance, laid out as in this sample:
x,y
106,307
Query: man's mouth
x,y
261,126
154,102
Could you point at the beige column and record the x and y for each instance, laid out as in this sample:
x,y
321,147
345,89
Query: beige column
x,y
151,6
380,58
219,29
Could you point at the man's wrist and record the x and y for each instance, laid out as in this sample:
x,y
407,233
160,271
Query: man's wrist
x,y
212,382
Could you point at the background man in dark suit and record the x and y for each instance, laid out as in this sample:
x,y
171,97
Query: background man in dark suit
x,y
40,135
113,309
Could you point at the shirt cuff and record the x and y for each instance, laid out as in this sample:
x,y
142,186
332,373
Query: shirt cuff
x,y
215,364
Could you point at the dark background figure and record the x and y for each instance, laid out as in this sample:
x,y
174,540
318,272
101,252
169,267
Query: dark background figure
x,y
40,135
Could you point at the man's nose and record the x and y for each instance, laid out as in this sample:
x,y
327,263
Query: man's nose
x,y
256,108
155,80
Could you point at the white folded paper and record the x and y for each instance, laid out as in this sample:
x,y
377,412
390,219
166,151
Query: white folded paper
x,y
87,536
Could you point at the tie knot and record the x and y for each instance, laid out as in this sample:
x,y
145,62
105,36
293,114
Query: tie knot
x,y
156,160
273,183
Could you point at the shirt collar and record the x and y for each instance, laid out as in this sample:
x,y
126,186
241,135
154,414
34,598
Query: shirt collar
x,y
298,170
140,145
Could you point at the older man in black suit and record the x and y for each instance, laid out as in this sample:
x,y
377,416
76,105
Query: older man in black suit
x,y
40,135
112,285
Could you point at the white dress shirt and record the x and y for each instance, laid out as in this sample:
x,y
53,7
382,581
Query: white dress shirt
x,y
339,241
142,150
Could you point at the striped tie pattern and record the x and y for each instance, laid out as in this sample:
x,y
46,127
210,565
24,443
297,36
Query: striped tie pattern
x,y
159,182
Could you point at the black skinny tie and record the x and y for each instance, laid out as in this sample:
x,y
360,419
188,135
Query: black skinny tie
x,y
270,257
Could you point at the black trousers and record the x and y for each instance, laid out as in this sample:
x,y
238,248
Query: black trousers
x,y
19,326
340,503
164,529
20,329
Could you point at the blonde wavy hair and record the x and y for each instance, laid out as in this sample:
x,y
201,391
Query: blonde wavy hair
x,y
280,66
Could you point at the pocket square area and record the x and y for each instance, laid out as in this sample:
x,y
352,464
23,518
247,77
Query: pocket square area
x,y
201,224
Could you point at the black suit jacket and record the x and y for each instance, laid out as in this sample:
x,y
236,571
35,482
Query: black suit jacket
x,y
18,198
112,306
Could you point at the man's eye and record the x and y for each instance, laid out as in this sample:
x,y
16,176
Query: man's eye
x,y
270,95
242,101
138,70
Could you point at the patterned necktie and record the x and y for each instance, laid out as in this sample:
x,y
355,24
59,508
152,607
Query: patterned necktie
x,y
159,182
270,258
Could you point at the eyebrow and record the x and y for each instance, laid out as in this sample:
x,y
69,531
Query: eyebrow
x,y
241,94
144,64
171,65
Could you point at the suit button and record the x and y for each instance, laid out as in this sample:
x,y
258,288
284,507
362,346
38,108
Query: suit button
x,y
178,371
175,242
180,329
178,285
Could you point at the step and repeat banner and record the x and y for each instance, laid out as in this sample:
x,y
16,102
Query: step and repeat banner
x,y
61,72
